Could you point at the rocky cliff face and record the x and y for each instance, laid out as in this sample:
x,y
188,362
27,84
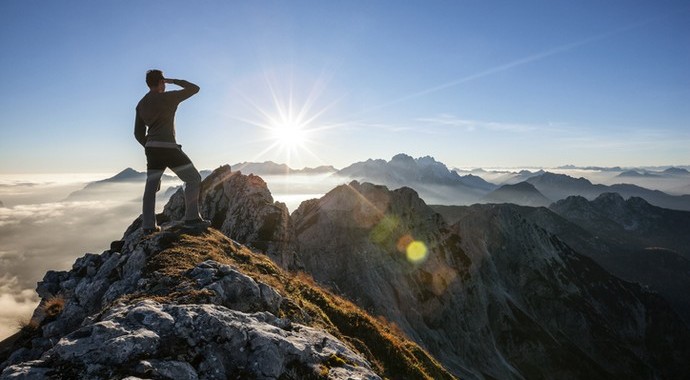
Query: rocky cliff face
x,y
194,304
242,208
495,297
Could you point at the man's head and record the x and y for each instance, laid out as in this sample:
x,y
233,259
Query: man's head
x,y
155,80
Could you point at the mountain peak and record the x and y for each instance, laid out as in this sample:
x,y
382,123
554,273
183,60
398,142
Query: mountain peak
x,y
402,157
127,174
521,193
242,207
611,198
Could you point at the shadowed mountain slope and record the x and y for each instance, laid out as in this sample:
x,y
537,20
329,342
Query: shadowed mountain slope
x,y
631,239
632,223
497,296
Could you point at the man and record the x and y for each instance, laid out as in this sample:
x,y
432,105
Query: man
x,y
156,110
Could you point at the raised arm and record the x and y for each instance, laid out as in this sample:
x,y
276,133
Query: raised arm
x,y
188,88
140,130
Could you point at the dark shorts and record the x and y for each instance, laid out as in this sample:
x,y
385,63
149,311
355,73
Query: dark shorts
x,y
163,158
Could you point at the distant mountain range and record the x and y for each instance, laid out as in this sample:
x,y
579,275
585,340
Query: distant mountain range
x,y
103,189
635,173
670,172
561,186
676,171
272,168
662,169
432,179
437,184
108,188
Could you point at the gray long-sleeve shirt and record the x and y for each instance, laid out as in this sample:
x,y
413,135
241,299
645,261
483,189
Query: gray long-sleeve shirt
x,y
157,111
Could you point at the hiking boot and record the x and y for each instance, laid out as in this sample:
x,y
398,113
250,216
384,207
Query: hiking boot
x,y
198,222
149,231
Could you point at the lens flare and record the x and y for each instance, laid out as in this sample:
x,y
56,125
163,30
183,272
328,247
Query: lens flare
x,y
384,231
417,252
404,242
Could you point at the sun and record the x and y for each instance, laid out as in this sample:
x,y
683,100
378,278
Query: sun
x,y
289,134
292,117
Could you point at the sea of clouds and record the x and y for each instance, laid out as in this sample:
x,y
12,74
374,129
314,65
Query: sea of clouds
x,y
41,231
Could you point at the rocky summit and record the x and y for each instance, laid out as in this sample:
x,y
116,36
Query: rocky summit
x,y
363,283
187,303
243,208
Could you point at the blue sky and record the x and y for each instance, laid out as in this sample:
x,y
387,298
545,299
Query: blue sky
x,y
472,83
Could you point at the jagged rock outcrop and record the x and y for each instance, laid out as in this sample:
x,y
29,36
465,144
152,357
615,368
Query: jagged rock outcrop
x,y
132,313
497,296
243,209
193,304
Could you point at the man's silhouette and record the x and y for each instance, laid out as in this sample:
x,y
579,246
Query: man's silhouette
x,y
156,110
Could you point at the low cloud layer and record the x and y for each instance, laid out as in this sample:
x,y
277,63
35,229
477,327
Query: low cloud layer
x,y
16,305
35,238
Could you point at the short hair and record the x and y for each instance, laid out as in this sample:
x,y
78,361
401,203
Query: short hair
x,y
153,77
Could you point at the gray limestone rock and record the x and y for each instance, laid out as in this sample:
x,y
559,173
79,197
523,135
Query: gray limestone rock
x,y
234,289
111,326
243,209
132,340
